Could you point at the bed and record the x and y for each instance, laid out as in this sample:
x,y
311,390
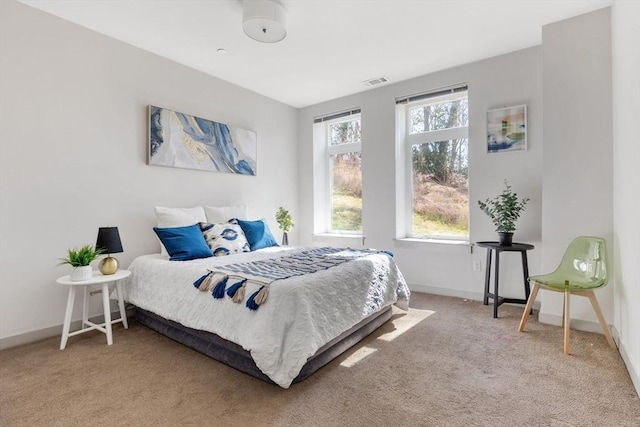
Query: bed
x,y
306,321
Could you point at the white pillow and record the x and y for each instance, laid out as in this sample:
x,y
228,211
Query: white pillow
x,y
178,217
225,213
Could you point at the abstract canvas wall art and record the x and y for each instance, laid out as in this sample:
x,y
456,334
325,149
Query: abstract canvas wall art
x,y
507,129
184,141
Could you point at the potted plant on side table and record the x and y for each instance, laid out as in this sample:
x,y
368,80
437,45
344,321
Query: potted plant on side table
x,y
504,210
80,260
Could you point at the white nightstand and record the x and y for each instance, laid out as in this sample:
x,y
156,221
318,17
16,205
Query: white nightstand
x,y
97,279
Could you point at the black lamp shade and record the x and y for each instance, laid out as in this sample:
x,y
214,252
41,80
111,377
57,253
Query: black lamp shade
x,y
109,240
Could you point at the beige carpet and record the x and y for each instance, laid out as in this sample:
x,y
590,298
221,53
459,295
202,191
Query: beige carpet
x,y
445,363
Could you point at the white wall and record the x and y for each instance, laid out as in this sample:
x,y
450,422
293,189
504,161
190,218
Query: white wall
x,y
625,24
73,132
578,153
511,79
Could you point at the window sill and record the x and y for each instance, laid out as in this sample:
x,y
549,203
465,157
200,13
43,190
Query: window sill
x,y
329,237
433,244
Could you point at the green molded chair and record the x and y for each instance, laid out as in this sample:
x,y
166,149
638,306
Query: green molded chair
x,y
584,267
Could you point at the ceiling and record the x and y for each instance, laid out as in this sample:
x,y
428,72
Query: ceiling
x,y
331,45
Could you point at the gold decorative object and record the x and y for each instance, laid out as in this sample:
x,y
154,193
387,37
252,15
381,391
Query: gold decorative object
x,y
108,265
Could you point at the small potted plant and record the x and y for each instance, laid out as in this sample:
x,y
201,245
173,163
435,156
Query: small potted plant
x,y
285,223
504,210
80,260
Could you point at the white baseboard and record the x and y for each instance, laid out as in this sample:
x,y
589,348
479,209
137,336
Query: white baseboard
x,y
581,325
52,331
475,296
448,292
33,336
633,373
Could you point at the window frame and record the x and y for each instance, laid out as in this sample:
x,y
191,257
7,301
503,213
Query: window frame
x,y
411,139
332,150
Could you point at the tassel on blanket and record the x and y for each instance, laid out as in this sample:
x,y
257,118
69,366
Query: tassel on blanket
x,y
218,290
239,295
251,304
198,282
211,282
233,289
206,285
262,296
257,298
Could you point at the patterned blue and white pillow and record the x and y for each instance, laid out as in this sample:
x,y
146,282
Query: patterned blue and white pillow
x,y
224,238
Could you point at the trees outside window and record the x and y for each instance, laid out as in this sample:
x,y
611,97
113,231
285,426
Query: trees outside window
x,y
345,165
439,179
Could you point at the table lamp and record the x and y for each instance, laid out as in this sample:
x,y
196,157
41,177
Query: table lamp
x,y
109,242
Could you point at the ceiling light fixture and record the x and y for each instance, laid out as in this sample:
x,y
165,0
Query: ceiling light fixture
x,y
264,20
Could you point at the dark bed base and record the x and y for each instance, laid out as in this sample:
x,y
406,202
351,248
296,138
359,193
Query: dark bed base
x,y
235,356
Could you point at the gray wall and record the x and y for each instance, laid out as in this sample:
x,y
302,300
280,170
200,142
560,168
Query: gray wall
x,y
566,83
578,153
73,134
625,24
505,80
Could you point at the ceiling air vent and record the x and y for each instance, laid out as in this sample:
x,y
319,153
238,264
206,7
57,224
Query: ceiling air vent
x,y
375,82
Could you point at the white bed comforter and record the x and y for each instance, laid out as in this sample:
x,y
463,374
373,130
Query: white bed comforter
x,y
301,315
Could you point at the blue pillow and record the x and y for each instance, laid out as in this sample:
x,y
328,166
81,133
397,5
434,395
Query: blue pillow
x,y
184,243
257,233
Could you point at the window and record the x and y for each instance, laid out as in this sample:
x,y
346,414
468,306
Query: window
x,y
345,175
337,174
436,146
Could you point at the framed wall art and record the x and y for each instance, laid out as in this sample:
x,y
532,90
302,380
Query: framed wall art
x,y
507,129
184,141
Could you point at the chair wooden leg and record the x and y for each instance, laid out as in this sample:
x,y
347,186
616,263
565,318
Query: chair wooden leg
x,y
603,323
567,317
527,309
